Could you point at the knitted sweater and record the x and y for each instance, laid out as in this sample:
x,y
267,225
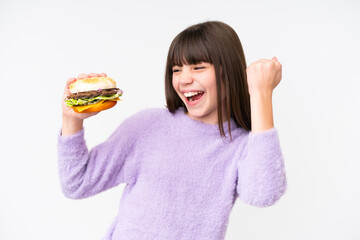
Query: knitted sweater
x,y
182,178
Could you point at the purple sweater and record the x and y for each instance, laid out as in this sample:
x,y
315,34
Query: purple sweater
x,y
182,179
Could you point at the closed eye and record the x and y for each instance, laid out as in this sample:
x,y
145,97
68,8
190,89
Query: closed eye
x,y
199,68
176,69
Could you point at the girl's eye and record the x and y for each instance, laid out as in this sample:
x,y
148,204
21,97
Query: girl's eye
x,y
176,69
199,67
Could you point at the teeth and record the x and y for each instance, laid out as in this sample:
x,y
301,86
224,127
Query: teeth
x,y
190,94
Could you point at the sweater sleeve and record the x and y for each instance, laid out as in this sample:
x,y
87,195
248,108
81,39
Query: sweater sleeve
x,y
84,173
261,172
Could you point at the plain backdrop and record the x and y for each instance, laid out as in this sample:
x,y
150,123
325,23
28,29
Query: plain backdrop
x,y
316,106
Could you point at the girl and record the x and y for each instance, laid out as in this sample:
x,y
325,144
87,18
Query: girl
x,y
185,165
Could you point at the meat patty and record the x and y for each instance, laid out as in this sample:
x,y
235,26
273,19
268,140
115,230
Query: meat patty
x,y
89,94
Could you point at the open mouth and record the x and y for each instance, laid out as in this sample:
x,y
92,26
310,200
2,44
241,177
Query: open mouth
x,y
193,96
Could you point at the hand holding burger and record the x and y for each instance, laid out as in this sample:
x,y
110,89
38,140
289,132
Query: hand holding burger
x,y
92,93
86,96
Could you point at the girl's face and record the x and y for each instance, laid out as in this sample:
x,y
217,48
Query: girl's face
x,y
196,86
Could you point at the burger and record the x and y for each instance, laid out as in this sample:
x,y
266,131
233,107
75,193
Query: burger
x,y
93,94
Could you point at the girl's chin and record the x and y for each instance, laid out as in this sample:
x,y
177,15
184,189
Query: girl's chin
x,y
210,118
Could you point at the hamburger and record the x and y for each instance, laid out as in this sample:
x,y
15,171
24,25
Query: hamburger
x,y
93,94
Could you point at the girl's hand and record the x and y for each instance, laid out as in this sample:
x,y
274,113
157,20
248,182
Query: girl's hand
x,y
263,76
72,122
67,112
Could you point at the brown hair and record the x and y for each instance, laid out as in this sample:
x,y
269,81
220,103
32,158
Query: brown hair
x,y
216,43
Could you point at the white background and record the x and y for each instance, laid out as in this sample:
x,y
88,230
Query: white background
x,y
316,106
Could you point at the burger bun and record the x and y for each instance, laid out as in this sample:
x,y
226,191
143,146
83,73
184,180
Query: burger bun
x,y
91,84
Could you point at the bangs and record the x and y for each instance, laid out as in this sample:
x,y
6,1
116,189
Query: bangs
x,y
190,47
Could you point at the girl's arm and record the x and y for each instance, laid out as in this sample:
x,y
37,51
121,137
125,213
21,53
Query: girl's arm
x,y
262,76
262,179
261,171
83,173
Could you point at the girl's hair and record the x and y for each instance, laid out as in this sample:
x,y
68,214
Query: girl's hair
x,y
216,43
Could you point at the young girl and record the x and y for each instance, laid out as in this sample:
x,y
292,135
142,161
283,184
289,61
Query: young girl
x,y
185,165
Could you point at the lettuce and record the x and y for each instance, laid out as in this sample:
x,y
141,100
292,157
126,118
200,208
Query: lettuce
x,y
87,101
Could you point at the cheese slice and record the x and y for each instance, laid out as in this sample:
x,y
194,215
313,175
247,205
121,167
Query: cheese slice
x,y
83,108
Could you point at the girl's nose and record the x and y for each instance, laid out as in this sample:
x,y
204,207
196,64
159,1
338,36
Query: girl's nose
x,y
186,77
